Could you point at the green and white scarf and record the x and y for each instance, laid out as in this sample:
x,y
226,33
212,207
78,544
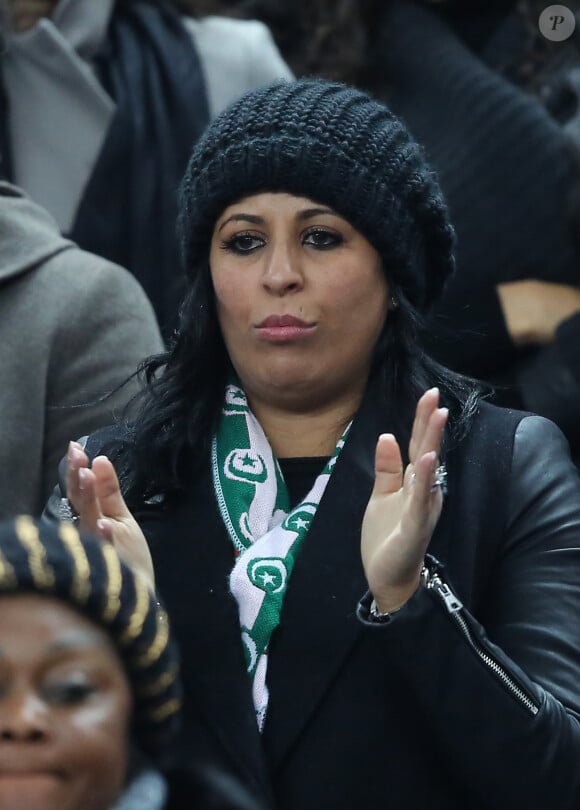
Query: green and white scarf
x,y
267,536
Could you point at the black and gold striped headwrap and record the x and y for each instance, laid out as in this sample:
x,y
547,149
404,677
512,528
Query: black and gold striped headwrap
x,y
54,559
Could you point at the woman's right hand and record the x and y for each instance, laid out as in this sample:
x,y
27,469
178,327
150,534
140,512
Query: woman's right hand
x,y
404,508
533,309
95,495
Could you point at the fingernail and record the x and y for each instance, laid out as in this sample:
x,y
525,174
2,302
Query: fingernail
x,y
443,411
82,478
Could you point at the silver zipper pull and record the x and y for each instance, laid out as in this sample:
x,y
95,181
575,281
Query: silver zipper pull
x,y
452,603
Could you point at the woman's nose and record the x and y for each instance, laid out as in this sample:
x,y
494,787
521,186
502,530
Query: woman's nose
x,y
283,271
23,718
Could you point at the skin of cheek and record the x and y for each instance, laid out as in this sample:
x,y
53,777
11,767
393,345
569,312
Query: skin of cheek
x,y
352,314
96,744
92,748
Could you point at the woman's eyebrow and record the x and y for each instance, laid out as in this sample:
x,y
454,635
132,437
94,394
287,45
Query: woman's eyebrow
x,y
308,213
75,640
255,220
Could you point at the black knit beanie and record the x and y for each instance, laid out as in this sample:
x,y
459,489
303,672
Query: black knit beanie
x,y
55,560
339,147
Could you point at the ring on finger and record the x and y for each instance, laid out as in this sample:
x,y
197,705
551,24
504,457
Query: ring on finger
x,y
439,479
67,512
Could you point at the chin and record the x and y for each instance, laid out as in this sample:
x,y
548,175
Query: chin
x,y
289,382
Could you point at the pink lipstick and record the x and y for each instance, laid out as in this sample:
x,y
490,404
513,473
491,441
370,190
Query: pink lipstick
x,y
284,328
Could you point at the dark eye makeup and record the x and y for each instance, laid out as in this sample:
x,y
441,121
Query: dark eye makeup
x,y
316,237
242,243
322,238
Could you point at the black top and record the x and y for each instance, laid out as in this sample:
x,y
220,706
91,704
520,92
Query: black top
x,y
300,475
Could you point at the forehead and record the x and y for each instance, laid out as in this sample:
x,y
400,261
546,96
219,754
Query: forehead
x,y
37,625
269,203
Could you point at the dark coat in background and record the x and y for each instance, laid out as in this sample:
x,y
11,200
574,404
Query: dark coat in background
x,y
100,106
510,173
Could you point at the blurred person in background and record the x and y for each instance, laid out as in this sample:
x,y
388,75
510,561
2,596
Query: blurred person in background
x,y
496,106
100,105
73,329
89,682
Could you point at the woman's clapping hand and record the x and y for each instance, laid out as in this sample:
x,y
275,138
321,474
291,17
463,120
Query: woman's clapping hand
x,y
95,495
404,508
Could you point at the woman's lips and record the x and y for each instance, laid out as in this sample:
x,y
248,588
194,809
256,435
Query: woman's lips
x,y
284,328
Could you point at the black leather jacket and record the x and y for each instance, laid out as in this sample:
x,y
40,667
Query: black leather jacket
x,y
469,698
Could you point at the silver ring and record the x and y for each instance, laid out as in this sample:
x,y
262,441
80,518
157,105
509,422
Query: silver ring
x,y
439,479
66,512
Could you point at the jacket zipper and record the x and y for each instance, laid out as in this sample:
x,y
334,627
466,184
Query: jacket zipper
x,y
433,581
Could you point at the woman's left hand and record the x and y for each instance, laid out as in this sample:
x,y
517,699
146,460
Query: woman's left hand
x,y
404,508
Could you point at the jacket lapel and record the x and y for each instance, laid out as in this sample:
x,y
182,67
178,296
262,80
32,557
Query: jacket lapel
x,y
204,618
319,626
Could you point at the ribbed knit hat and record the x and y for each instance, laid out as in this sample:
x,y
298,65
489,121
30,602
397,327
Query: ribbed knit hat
x,y
339,147
55,560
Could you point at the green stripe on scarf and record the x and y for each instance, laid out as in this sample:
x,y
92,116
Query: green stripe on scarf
x,y
254,504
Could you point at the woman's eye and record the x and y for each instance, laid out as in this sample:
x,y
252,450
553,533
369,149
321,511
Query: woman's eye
x,y
68,694
322,239
242,243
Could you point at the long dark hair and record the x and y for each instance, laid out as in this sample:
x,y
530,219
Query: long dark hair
x,y
167,428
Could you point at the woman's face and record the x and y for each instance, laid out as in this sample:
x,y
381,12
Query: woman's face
x,y
65,708
301,299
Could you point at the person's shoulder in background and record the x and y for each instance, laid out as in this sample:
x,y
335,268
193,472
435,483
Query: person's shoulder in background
x,y
74,327
236,56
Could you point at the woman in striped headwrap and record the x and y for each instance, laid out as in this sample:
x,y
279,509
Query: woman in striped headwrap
x,y
89,689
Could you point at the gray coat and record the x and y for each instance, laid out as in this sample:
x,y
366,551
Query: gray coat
x,y
72,327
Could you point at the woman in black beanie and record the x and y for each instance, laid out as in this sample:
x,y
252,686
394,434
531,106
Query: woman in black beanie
x,y
295,412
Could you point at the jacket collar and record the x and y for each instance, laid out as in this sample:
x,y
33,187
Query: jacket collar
x,y
319,627
205,622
